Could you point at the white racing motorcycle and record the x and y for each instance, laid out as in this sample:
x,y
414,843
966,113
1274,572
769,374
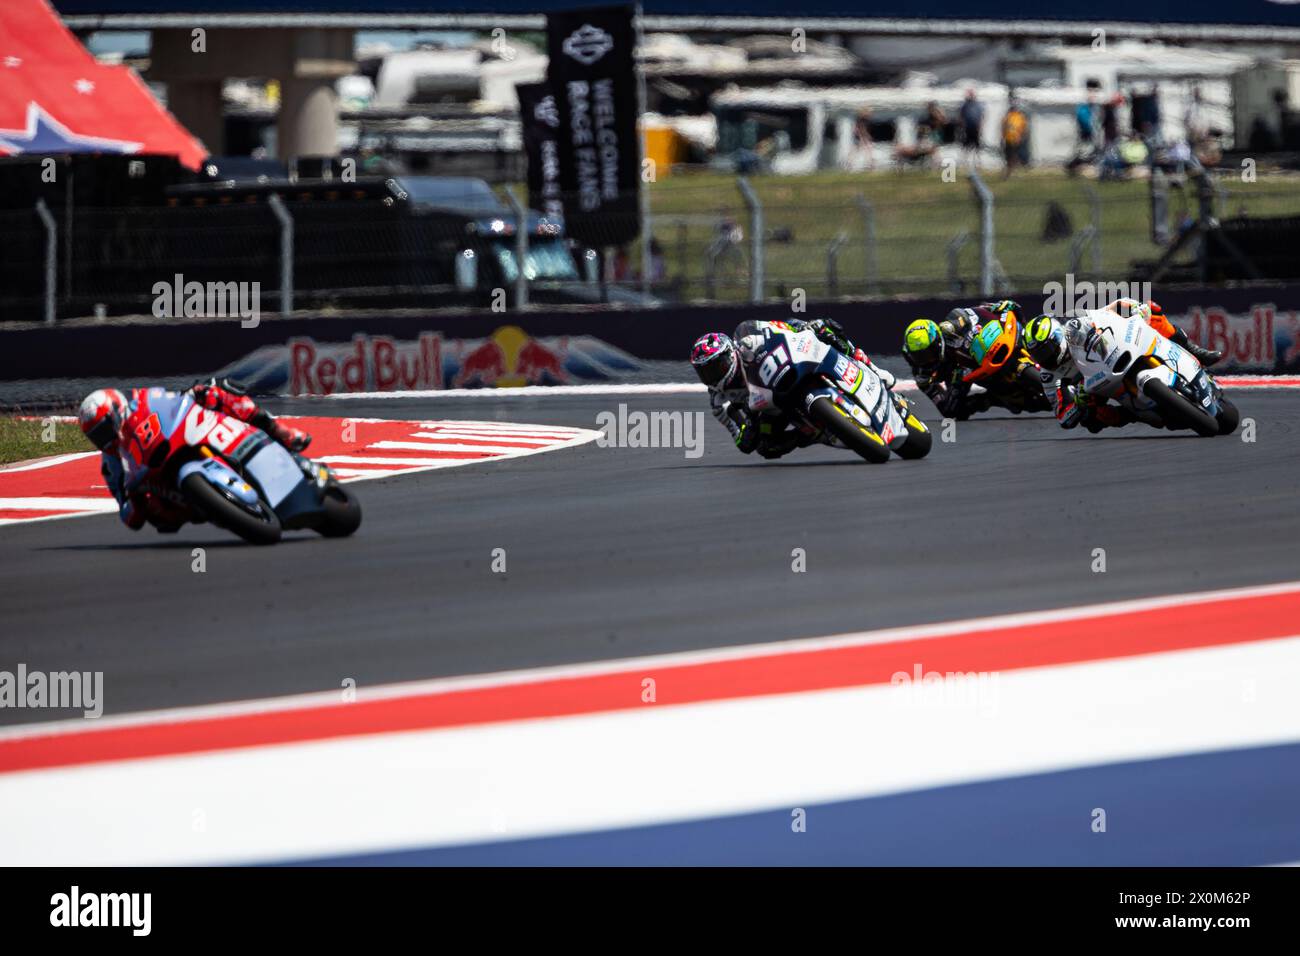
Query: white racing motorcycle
x,y
1165,386
827,391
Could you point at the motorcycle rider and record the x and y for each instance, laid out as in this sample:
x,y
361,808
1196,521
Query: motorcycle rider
x,y
102,415
717,361
1047,340
940,356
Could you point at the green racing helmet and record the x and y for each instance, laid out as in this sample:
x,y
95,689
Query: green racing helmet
x,y
923,344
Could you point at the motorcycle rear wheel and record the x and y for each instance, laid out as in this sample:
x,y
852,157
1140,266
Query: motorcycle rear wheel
x,y
865,443
226,513
1179,412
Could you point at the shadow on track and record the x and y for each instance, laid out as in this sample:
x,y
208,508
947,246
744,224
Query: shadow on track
x,y
784,464
171,545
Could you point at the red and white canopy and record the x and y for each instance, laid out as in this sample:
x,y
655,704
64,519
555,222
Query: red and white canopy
x,y
56,98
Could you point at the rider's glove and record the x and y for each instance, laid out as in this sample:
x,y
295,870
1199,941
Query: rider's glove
x,y
830,332
748,434
1003,305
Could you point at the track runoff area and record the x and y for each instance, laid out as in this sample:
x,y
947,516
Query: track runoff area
x,y
1033,647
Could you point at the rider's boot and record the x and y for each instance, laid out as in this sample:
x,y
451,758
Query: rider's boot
x,y
291,438
1109,416
1204,356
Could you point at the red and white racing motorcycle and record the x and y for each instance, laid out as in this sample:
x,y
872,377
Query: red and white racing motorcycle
x,y
213,467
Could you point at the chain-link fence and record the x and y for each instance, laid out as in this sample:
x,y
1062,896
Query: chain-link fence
x,y
716,237
938,232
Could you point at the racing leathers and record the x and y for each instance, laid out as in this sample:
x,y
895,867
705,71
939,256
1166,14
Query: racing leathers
x,y
772,433
944,382
1063,385
126,479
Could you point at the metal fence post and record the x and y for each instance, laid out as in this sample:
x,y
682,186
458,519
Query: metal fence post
x,y
985,199
833,263
869,232
954,261
521,247
756,277
286,253
1094,205
682,252
51,258
1084,237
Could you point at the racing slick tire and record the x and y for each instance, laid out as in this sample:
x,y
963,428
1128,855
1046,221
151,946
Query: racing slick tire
x,y
342,513
1179,412
919,440
1228,418
230,514
865,443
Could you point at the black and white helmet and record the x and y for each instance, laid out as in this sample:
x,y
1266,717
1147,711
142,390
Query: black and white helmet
x,y
1044,339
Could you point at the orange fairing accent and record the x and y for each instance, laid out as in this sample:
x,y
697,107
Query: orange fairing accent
x,y
1162,325
1001,351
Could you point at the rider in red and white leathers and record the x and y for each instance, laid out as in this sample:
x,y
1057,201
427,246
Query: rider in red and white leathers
x,y
102,415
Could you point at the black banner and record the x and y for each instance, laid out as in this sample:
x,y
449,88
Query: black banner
x,y
292,906
540,120
593,75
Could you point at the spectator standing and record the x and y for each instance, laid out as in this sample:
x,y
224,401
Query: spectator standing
x,y
1195,124
1085,120
1110,121
1015,136
862,136
971,115
658,261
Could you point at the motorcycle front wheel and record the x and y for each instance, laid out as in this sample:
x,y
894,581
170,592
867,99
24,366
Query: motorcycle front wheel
x,y
1228,418
1179,412
225,512
865,443
919,440
342,513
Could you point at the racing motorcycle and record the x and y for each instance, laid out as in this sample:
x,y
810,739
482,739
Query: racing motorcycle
x,y
210,466
997,349
827,392
1164,384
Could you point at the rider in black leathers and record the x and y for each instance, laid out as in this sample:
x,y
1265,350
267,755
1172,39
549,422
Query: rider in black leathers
x,y
718,361
940,356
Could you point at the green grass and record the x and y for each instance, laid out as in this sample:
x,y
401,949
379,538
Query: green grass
x,y
23,438
916,216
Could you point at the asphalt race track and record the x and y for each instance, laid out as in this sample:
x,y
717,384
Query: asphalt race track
x,y
619,552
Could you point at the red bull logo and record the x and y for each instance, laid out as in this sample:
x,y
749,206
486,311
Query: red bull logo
x,y
508,358
511,358
1263,340
369,364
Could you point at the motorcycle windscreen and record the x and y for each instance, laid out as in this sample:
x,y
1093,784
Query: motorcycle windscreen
x,y
275,472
